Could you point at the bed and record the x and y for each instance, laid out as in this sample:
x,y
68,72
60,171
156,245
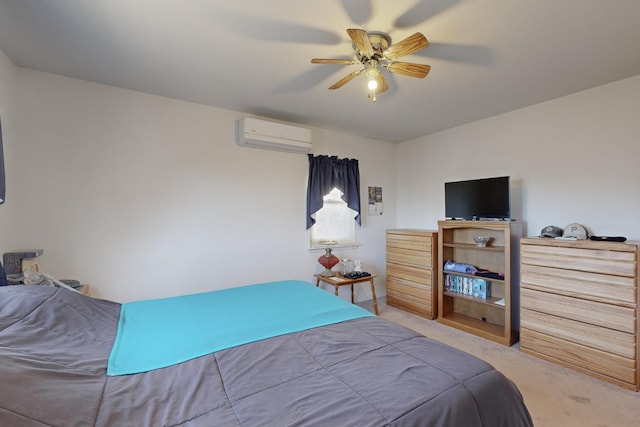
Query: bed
x,y
55,346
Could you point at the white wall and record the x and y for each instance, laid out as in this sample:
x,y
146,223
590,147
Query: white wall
x,y
572,159
142,196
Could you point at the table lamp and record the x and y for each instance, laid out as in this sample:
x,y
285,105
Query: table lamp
x,y
328,260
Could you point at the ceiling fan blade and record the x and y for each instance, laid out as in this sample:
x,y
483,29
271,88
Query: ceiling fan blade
x,y
409,45
408,69
345,80
382,84
334,61
361,41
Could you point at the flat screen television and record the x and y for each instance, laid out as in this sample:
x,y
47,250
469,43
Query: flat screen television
x,y
478,199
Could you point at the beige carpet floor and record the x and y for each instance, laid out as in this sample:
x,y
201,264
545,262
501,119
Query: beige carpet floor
x,y
555,396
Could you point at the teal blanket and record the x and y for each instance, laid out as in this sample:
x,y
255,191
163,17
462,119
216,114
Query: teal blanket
x,y
154,334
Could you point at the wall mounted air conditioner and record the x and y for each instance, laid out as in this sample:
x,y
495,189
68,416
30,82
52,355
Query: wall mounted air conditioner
x,y
258,133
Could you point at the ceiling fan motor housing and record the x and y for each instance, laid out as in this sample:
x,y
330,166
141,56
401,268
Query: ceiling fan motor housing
x,y
379,42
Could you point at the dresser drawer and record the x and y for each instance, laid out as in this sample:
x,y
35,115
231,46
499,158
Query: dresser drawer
x,y
603,261
419,241
407,287
409,256
585,359
604,339
411,247
411,296
591,312
410,272
605,288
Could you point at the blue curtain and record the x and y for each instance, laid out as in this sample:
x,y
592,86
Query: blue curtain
x,y
2,183
327,173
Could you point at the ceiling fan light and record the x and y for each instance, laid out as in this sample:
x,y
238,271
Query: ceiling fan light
x,y
372,74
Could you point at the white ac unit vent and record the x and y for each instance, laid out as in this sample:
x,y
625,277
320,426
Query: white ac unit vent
x,y
257,133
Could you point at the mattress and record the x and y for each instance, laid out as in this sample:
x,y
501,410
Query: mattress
x,y
366,371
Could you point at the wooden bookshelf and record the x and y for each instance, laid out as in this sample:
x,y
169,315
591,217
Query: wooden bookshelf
x,y
483,317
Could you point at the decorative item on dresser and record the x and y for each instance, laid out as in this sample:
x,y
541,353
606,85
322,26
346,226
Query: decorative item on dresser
x,y
412,271
494,266
580,306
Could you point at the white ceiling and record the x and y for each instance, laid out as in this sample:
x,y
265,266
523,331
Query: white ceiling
x,y
487,56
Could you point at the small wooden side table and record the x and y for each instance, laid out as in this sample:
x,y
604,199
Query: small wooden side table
x,y
339,280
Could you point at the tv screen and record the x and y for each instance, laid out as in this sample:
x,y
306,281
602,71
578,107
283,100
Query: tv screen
x,y
477,198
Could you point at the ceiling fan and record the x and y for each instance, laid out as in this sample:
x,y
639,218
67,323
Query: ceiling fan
x,y
374,49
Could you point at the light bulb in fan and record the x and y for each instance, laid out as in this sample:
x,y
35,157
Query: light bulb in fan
x,y
372,74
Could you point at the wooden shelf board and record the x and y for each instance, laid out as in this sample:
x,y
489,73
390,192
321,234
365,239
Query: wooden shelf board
x,y
473,246
472,276
476,327
491,301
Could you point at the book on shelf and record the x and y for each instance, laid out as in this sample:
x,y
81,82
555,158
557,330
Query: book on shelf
x,y
481,288
478,288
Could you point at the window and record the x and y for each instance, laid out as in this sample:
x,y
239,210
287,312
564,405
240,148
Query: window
x,y
333,200
334,221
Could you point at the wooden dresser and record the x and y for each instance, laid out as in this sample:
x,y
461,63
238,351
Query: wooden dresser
x,y
412,257
579,306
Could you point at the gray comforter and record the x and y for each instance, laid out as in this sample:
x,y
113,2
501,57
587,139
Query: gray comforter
x,y
54,346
